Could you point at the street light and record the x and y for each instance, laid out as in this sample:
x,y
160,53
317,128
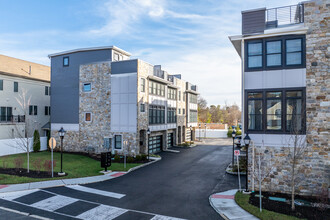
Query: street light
x,y
200,131
190,134
247,141
233,134
148,133
61,132
205,130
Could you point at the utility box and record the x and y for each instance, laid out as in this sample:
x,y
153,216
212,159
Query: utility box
x,y
105,160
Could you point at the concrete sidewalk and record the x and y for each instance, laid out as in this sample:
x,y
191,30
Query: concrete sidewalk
x,y
224,203
74,181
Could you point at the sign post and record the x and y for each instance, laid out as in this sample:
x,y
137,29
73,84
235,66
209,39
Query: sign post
x,y
237,153
52,144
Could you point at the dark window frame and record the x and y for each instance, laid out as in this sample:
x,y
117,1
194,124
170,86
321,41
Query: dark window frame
x,y
117,141
262,107
90,84
142,107
15,86
283,40
156,114
266,53
283,111
66,65
156,88
247,54
1,84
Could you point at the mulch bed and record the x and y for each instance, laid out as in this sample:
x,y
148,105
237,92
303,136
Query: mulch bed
x,y
31,174
308,212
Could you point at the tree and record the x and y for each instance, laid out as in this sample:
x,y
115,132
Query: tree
x,y
36,141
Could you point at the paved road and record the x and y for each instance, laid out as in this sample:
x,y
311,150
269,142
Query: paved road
x,y
177,186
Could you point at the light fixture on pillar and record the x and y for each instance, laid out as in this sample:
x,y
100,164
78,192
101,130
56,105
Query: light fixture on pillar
x,y
148,134
61,133
233,134
247,141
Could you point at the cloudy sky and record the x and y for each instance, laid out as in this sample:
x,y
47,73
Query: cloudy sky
x,y
187,37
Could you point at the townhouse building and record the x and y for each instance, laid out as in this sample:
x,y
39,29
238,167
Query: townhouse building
x,y
285,91
105,100
19,112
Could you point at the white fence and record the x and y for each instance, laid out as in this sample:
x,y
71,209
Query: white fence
x,y
211,133
9,146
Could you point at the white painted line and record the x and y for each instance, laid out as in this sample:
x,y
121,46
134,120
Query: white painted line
x,y
54,202
14,195
102,212
24,213
162,217
96,191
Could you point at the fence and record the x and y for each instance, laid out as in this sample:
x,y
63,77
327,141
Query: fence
x,y
7,146
211,133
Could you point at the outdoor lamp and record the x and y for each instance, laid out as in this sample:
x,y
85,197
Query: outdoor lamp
x,y
233,134
61,133
148,133
200,131
247,140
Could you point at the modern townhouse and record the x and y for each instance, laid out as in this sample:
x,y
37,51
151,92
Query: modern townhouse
x,y
285,91
18,77
105,100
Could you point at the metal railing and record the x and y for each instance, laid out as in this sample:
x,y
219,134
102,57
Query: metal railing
x,y
12,118
293,14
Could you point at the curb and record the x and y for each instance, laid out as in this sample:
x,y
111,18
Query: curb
x,y
144,165
220,213
234,173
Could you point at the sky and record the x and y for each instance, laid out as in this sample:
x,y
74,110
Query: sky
x,y
187,37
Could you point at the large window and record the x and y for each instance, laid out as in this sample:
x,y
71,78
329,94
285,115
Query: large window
x,y
156,88
171,115
143,85
118,141
33,110
283,52
275,111
171,94
193,116
6,113
156,114
47,110
1,84
47,90
193,98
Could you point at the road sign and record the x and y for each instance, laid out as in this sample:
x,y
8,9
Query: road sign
x,y
52,143
237,152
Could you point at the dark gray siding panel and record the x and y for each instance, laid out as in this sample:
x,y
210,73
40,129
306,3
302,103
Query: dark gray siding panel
x,y
127,66
253,22
65,84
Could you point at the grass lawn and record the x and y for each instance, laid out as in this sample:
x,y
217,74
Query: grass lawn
x,y
243,201
73,164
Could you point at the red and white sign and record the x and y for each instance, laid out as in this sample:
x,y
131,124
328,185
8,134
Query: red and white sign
x,y
237,152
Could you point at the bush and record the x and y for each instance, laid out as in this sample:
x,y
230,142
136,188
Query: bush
x,y
230,131
144,157
37,164
48,165
116,158
130,159
36,141
238,131
138,157
18,161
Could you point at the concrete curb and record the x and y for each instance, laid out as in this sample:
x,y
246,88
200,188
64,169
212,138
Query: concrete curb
x,y
73,181
218,211
234,173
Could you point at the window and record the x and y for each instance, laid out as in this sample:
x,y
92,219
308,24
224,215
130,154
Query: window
x,y
171,115
254,111
47,110
88,116
6,114
142,107
87,87
118,141
107,143
156,114
179,98
171,94
116,57
156,89
1,84
255,55
183,111
65,61
294,52
143,85
179,111
276,111
274,53
15,86
33,110
47,90
193,98
184,97
193,116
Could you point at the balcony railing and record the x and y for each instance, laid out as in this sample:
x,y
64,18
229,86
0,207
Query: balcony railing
x,y
293,14
12,118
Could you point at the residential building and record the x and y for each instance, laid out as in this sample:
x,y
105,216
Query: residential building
x,y
19,77
285,91
105,102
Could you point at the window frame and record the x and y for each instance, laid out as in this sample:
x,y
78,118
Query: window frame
x,y
88,121
121,141
15,86
142,107
156,89
66,65
283,129
86,84
156,114
1,84
266,53
143,85
303,52
247,54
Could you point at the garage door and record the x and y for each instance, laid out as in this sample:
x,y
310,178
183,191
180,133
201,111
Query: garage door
x,y
155,144
169,140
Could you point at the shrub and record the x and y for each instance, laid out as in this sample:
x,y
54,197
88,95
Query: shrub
x,y
230,131
48,165
36,141
116,158
238,131
18,161
138,157
144,157
130,159
4,162
37,164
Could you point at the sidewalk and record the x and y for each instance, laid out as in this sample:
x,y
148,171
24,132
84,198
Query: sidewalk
x,y
224,203
74,181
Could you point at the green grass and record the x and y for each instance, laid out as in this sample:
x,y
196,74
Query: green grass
x,y
73,164
243,201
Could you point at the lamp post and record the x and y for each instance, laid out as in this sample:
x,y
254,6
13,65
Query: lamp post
x,y
61,132
233,134
148,134
190,134
247,141
199,131
205,130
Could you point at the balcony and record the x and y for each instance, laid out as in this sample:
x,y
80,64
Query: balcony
x,y
258,20
12,119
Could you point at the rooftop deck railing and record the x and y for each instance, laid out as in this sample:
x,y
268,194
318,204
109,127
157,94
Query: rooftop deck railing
x,y
293,14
